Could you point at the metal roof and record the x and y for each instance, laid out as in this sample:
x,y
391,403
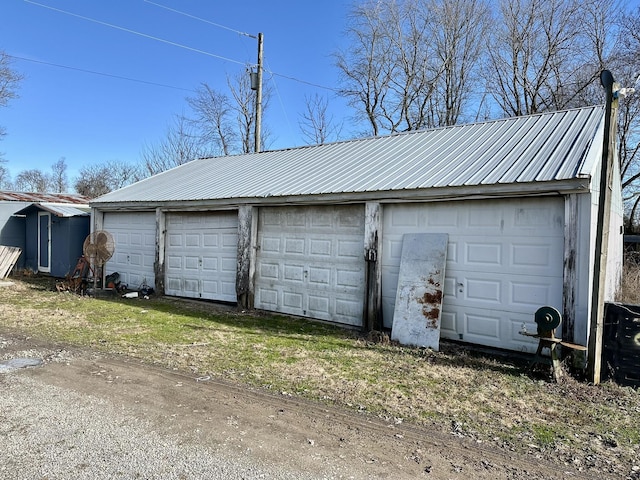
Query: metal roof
x,y
535,148
11,196
58,209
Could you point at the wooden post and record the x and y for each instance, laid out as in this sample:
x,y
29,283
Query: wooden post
x,y
243,277
97,219
372,315
570,274
258,126
158,265
596,328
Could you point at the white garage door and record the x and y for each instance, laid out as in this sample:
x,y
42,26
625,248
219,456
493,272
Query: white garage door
x,y
135,253
504,261
310,262
201,251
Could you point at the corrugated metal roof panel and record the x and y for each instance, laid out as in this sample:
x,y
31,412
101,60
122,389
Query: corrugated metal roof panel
x,y
544,147
58,209
11,196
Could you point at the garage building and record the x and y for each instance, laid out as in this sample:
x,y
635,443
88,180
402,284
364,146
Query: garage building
x,y
317,231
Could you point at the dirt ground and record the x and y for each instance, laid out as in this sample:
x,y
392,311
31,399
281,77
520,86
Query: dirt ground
x,y
308,437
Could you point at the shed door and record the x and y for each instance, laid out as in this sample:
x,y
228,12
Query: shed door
x,y
134,234
504,261
201,255
44,242
310,262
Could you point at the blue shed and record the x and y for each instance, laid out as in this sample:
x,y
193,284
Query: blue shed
x,y
54,235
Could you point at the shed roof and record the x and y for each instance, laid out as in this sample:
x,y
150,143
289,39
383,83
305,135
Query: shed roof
x,y
535,148
11,196
58,209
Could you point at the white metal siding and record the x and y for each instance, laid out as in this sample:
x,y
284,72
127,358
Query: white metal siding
x,y
134,234
504,261
201,255
310,262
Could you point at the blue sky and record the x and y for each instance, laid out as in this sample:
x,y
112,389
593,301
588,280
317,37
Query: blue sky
x,y
93,119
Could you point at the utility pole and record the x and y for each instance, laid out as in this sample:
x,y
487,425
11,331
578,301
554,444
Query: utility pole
x,y
596,330
258,96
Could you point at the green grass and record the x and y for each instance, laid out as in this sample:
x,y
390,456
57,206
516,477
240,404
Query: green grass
x,y
488,398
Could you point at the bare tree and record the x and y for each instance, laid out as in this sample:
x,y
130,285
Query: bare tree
x,y
96,180
5,177
464,26
545,53
365,64
9,81
93,181
33,180
243,107
626,63
122,174
59,181
181,144
412,64
316,125
220,125
212,118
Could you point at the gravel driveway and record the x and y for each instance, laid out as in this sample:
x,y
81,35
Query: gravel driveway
x,y
84,415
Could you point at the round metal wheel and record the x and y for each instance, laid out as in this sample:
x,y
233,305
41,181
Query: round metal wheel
x,y
547,318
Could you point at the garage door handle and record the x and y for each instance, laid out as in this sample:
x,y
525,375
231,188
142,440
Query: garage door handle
x,y
460,287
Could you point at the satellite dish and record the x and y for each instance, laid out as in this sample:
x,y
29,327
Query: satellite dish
x,y
98,247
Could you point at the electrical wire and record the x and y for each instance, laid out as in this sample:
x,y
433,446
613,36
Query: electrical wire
x,y
134,32
335,90
119,77
284,111
202,19
151,37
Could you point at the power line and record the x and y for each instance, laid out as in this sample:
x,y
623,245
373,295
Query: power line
x,y
239,33
151,37
178,44
202,20
335,90
101,73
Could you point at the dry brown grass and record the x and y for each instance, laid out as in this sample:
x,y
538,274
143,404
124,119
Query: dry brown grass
x,y
630,288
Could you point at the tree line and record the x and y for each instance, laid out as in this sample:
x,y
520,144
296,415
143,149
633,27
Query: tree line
x,y
415,64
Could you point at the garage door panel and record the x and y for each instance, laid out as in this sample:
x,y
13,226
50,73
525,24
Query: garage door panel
x,y
267,298
349,249
320,276
310,262
349,279
229,266
191,285
201,255
293,273
484,291
504,260
448,328
482,325
480,253
210,264
347,309
134,234
318,305
528,293
270,244
294,246
532,255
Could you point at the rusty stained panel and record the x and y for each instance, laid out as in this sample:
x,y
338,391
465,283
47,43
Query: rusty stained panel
x,y
10,196
416,319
